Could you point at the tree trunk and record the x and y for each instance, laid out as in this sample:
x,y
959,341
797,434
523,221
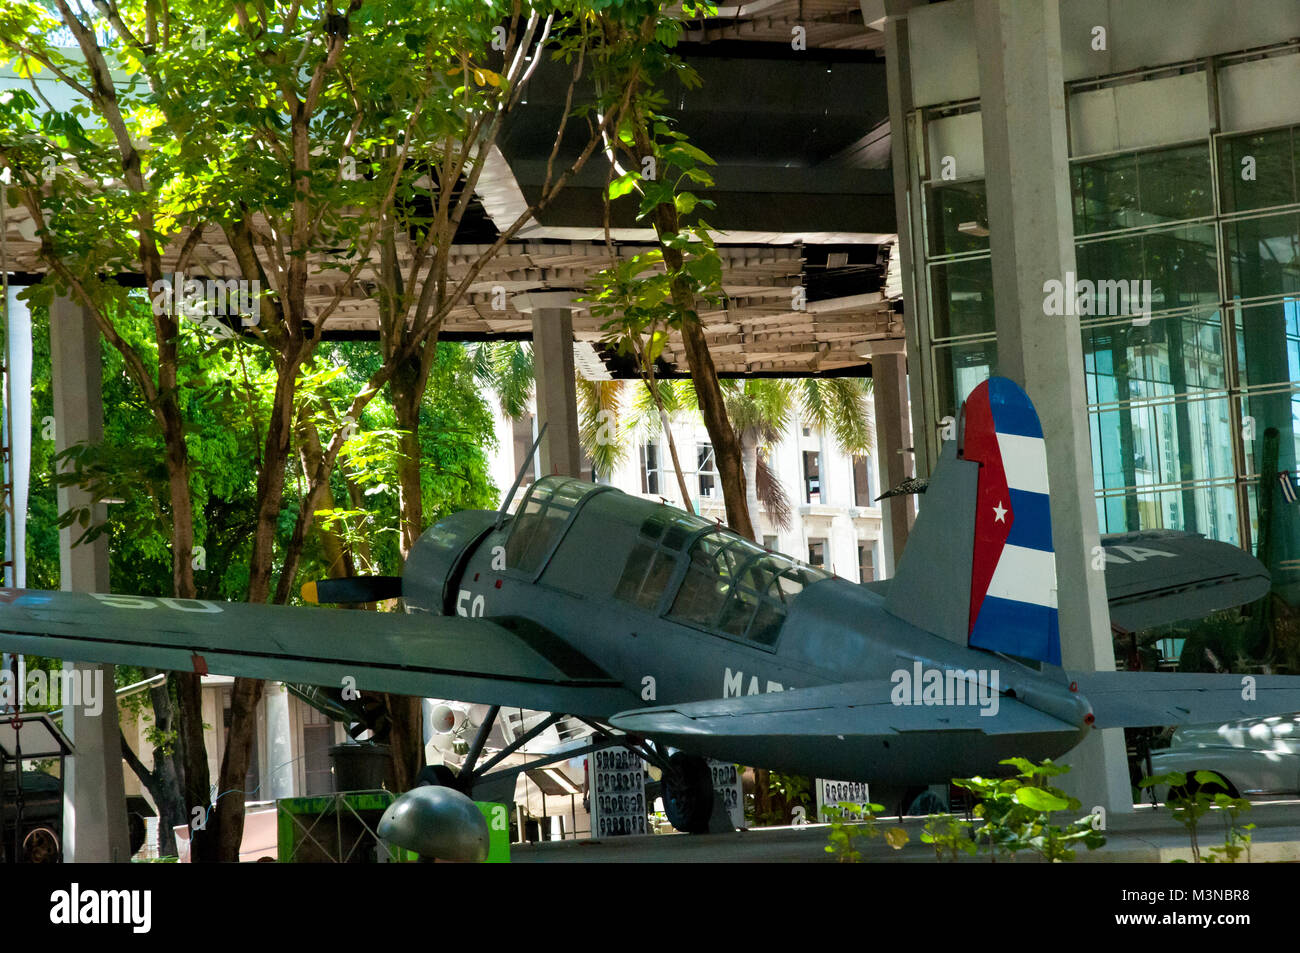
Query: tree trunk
x,y
164,782
226,820
227,816
653,387
749,458
677,463
407,387
726,447
406,390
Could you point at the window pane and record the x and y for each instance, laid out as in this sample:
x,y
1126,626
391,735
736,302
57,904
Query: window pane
x,y
707,584
1181,264
1264,256
1258,170
961,294
817,553
645,576
959,369
794,581
952,205
1141,189
1280,412
767,624
1211,509
1279,547
866,563
706,469
812,479
1169,356
1268,343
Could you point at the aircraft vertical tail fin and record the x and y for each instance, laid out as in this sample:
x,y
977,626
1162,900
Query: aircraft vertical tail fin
x,y
979,567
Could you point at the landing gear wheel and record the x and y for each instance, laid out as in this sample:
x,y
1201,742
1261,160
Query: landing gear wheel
x,y
688,793
41,846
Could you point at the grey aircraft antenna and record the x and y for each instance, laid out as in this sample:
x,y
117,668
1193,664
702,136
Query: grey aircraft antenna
x,y
519,477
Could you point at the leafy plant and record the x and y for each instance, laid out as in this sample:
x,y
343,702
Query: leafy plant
x,y
948,834
1189,801
1017,813
851,824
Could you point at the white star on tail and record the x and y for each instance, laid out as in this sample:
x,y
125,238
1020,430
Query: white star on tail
x,y
999,512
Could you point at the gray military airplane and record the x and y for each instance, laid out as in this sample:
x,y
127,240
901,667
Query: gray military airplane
x,y
682,639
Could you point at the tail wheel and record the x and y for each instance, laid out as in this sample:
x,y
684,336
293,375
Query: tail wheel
x,y
688,793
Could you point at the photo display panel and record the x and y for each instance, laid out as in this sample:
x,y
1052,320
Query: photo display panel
x,y
728,791
833,793
617,784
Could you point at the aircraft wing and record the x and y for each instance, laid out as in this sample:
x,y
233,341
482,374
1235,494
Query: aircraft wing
x,y
840,710
508,661
1161,576
1140,699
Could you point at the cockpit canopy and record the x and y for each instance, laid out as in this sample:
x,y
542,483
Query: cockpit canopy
x,y
542,519
678,565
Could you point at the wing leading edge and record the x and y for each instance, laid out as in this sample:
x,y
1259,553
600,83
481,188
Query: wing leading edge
x,y
506,661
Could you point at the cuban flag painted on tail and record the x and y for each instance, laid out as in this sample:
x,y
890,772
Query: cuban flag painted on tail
x,y
1013,575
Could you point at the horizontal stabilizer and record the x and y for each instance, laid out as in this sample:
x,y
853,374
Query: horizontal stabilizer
x,y
1144,699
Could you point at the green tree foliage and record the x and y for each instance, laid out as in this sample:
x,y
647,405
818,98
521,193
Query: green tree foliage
x,y
227,383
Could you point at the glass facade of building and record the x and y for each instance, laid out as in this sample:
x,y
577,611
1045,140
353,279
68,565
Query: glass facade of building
x,y
1194,388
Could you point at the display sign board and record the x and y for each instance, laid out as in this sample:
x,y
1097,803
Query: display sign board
x,y
833,793
727,789
616,786
498,824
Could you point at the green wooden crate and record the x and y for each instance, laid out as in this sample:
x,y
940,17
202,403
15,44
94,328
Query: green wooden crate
x,y
341,828
334,828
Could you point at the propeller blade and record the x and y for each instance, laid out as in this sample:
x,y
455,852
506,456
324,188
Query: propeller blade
x,y
353,589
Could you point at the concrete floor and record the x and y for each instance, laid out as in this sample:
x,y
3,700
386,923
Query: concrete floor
x,y
1145,836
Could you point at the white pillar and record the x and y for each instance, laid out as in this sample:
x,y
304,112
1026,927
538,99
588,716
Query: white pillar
x,y
279,746
1031,240
94,805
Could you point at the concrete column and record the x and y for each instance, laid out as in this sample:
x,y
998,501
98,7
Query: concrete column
x,y
1022,99
893,437
910,249
94,806
279,747
557,406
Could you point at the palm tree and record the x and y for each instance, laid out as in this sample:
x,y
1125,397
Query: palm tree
x,y
760,410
